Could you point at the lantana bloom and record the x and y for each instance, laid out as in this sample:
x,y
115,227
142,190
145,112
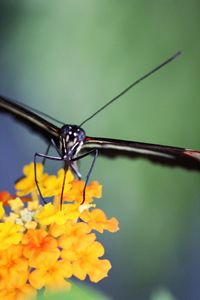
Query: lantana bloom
x,y
42,246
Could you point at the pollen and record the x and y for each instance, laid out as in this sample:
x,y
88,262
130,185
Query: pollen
x,y
27,215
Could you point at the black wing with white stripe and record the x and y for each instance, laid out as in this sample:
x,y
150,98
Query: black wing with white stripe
x,y
30,119
167,155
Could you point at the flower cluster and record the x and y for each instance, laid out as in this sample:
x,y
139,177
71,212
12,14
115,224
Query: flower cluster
x,y
44,246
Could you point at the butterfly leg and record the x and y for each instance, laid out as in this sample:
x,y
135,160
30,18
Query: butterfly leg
x,y
96,152
66,166
74,167
56,147
44,156
46,153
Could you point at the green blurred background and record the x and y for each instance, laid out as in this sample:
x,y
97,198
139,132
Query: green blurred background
x,y
67,58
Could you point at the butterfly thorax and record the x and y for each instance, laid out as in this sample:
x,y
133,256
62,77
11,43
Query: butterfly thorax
x,y
72,138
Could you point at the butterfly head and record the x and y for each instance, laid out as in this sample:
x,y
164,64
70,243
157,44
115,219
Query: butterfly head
x,y
72,138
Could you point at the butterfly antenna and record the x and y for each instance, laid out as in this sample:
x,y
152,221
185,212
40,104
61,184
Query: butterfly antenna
x,y
132,85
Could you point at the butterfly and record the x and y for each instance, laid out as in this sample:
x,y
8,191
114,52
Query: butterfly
x,y
72,144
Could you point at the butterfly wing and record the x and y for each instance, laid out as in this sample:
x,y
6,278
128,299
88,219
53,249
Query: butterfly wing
x,y
167,155
32,120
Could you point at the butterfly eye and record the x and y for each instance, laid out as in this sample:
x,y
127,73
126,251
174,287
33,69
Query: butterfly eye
x,y
80,135
66,130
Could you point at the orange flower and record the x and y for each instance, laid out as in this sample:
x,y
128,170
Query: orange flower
x,y
69,229
43,246
76,192
22,290
5,196
96,219
51,273
3,277
12,263
73,247
84,252
89,263
37,245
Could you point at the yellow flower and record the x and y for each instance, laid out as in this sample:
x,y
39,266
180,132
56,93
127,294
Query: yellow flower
x,y
33,205
44,246
50,214
27,185
52,186
47,214
22,215
2,211
12,217
16,204
9,235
